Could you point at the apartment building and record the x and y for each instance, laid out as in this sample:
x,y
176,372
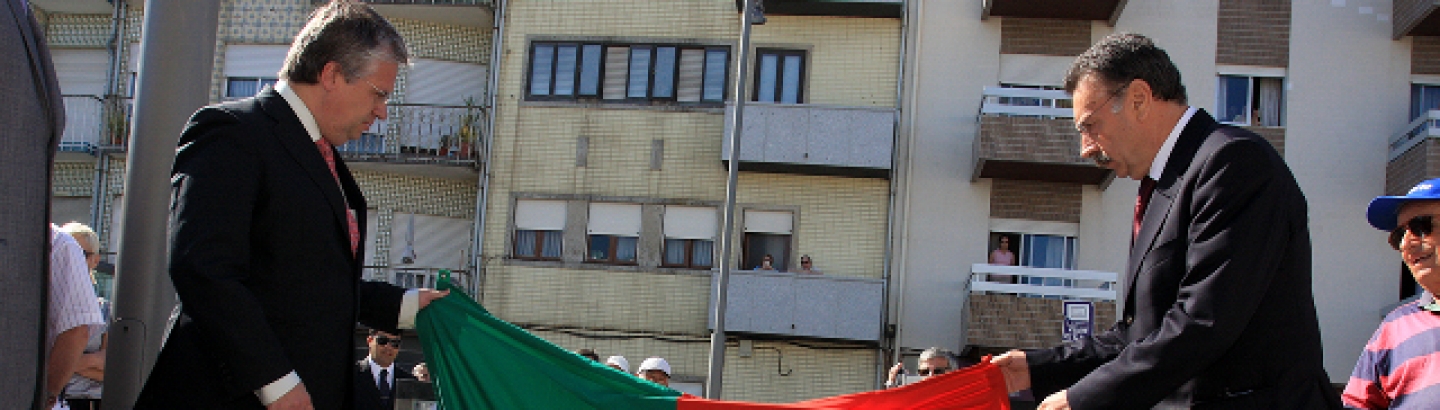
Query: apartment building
x,y
419,169
608,186
988,151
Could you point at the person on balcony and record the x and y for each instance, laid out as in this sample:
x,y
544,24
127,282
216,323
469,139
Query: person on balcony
x,y
1004,257
807,266
1217,310
932,362
266,251
1401,349
767,263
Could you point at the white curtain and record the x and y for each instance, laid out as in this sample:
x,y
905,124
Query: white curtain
x,y
1272,101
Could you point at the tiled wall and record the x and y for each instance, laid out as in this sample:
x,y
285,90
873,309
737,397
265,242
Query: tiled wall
x,y
1044,36
1008,321
77,30
1253,32
1421,162
1035,200
1029,139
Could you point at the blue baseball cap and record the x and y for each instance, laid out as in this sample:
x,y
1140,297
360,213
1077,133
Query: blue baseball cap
x,y
1384,210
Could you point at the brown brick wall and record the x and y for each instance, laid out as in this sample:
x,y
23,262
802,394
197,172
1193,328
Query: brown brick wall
x,y
1035,200
1009,321
1276,136
1406,170
1029,139
1424,55
1409,12
1044,36
1254,32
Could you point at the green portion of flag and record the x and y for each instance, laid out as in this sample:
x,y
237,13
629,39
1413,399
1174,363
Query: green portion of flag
x,y
480,362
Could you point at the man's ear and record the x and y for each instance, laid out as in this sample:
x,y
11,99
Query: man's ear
x,y
331,77
1140,96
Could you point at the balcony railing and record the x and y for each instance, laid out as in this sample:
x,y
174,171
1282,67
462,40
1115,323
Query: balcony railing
x,y
1427,126
815,139
1028,134
417,133
419,277
90,128
1044,282
819,306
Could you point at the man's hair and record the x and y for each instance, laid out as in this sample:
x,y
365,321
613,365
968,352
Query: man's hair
x,y
374,332
938,352
83,234
350,34
1121,57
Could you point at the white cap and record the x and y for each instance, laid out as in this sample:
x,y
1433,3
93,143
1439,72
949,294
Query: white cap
x,y
654,363
619,361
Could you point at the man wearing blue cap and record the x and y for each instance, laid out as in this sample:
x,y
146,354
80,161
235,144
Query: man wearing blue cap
x,y
1403,352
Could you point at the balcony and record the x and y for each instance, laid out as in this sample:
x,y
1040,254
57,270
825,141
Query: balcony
x,y
814,139
473,13
1415,18
844,8
75,6
1095,10
1028,134
814,306
92,129
420,277
1413,154
1029,313
422,134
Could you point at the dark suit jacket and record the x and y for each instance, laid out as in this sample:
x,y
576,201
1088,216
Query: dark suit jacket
x,y
260,257
1218,311
367,393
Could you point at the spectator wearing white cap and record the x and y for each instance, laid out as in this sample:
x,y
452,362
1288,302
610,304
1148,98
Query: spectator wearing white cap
x,y
619,363
655,369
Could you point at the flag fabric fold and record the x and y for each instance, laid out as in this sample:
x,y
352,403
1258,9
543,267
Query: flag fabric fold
x,y
480,362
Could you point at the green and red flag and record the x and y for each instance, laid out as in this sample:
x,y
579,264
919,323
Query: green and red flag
x,y
479,362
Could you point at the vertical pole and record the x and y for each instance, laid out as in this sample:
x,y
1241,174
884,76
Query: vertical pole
x,y
177,55
717,338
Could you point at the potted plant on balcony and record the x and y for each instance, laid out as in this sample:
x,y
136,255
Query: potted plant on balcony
x,y
469,127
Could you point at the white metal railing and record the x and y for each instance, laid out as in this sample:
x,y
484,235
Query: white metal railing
x,y
1427,126
421,132
1103,283
84,122
418,277
1031,102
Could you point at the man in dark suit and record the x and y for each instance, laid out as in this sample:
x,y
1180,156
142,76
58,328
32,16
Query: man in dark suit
x,y
266,254
377,373
1217,309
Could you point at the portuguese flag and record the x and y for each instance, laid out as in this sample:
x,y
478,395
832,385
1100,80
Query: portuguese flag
x,y
480,362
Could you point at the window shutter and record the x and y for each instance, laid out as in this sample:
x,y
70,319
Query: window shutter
x,y
692,69
774,222
614,219
690,222
260,61
539,215
617,68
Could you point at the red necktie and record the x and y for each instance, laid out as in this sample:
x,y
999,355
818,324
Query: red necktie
x,y
327,152
1142,200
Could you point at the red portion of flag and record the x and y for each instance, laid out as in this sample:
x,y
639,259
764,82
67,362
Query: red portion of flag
x,y
978,387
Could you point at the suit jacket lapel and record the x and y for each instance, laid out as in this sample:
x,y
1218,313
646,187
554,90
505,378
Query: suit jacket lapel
x,y
297,142
1162,200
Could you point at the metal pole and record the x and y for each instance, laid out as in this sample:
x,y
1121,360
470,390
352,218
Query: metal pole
x,y
482,200
717,338
177,56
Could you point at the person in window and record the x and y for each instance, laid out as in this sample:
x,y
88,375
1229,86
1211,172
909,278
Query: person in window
x,y
1002,256
932,362
807,266
766,263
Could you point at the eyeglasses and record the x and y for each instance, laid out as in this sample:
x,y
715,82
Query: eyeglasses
x,y
933,371
1420,226
382,340
88,253
384,96
805,262
1083,125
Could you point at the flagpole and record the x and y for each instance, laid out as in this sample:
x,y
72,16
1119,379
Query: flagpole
x,y
714,382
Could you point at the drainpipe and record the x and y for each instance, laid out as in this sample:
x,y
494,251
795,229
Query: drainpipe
x,y
900,181
109,107
482,195
881,371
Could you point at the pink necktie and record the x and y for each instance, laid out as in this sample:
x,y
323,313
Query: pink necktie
x,y
327,151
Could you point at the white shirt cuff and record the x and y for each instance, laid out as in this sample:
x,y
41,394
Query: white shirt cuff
x,y
409,306
272,392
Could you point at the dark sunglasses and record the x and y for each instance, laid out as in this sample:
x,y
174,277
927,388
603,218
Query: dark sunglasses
x,y
382,340
1421,226
933,372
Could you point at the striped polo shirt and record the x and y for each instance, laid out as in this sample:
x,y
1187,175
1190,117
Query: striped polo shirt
x,y
1400,367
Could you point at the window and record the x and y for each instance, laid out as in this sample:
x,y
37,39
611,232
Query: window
x,y
613,232
767,233
627,72
539,229
1034,101
1423,99
241,87
779,76
1247,100
689,236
